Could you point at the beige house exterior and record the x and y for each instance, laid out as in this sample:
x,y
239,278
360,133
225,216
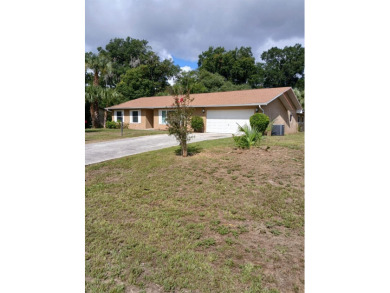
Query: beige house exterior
x,y
220,111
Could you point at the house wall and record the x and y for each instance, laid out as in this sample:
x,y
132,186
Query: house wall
x,y
197,112
276,110
148,118
145,114
157,125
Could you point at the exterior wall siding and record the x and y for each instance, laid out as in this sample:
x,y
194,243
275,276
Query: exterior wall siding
x,y
156,118
276,111
148,118
142,125
156,123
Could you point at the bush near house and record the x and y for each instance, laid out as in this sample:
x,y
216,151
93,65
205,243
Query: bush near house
x,y
197,123
112,124
259,122
115,125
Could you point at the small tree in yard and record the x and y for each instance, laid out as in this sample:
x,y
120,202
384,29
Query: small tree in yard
x,y
179,120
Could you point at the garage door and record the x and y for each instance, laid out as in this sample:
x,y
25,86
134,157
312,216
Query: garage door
x,y
225,121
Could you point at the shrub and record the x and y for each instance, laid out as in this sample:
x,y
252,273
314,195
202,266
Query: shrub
x,y
116,125
259,122
111,124
197,123
249,138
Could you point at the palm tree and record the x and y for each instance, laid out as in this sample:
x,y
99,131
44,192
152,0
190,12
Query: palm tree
x,y
100,65
250,137
93,96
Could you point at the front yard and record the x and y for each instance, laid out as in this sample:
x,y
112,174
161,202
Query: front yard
x,y
222,220
104,134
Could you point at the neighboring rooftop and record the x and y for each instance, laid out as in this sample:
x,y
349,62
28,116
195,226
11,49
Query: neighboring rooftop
x,y
233,98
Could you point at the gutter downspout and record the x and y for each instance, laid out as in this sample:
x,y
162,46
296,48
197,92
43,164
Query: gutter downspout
x,y
261,109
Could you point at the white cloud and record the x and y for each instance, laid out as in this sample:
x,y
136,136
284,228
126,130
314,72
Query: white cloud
x,y
163,54
186,68
171,81
280,44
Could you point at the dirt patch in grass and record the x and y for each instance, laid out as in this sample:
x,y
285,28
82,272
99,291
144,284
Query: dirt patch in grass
x,y
222,220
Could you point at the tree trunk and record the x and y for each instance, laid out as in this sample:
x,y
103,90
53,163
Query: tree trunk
x,y
96,78
95,104
92,111
184,148
105,118
95,114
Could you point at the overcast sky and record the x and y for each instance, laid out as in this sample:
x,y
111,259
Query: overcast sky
x,y
182,29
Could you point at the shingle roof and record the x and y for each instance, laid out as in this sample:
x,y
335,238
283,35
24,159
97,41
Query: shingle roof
x,y
219,99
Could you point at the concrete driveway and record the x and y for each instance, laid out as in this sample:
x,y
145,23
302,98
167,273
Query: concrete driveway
x,y
103,151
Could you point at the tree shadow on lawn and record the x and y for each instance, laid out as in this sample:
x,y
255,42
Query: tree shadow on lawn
x,y
191,150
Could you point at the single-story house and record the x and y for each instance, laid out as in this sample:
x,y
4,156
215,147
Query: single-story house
x,y
221,111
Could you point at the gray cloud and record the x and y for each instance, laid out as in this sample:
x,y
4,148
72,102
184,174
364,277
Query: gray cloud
x,y
184,28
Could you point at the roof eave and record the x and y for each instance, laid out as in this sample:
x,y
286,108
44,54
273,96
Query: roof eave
x,y
196,106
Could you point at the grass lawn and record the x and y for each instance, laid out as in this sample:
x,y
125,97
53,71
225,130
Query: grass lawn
x,y
103,134
221,220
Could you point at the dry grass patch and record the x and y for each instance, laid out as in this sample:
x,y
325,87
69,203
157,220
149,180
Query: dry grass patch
x,y
222,220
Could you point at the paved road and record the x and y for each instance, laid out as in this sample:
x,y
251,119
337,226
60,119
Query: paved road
x,y
103,151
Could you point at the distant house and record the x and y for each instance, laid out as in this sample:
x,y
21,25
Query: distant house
x,y
221,111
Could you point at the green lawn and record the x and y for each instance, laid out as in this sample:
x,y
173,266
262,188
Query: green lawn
x,y
103,134
221,220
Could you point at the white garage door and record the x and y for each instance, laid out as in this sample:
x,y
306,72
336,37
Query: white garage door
x,y
225,121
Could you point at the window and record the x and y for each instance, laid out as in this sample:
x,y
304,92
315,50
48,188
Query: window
x,y
163,116
135,116
118,117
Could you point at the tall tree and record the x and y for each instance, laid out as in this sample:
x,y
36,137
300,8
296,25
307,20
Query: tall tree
x,y
125,54
135,83
93,97
99,64
237,66
147,80
203,81
284,67
101,67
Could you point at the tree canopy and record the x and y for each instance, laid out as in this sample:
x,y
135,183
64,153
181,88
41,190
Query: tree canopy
x,y
130,67
237,66
284,67
203,81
